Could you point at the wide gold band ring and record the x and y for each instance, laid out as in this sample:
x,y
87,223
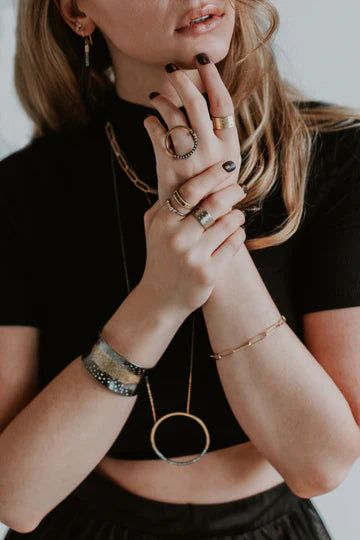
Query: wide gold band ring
x,y
223,122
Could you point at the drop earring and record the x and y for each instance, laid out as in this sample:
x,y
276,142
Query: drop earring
x,y
87,42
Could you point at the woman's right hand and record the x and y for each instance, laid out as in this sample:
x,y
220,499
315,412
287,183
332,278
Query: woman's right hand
x,y
183,260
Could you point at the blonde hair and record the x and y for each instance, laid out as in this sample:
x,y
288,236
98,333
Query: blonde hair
x,y
275,133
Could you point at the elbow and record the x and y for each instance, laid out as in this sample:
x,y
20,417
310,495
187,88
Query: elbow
x,y
325,474
317,482
16,526
17,520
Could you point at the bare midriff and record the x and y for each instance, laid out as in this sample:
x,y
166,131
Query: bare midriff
x,y
219,476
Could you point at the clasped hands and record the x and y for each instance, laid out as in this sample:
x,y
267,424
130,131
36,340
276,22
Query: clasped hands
x,y
201,176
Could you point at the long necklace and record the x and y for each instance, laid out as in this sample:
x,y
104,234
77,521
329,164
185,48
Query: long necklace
x,y
140,184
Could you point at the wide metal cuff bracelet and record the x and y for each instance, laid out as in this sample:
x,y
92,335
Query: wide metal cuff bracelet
x,y
113,370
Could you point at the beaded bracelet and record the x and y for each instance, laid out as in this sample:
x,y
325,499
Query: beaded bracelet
x,y
252,341
113,370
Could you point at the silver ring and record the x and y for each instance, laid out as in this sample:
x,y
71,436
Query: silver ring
x,y
170,207
203,216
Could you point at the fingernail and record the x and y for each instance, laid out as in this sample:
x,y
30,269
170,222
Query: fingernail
x,y
148,114
153,94
171,67
245,189
229,166
203,58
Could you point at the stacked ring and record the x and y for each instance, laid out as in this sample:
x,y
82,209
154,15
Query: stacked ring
x,y
181,201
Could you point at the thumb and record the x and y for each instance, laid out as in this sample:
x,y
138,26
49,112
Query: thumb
x,y
156,132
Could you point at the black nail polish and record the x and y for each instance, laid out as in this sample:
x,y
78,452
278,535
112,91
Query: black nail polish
x,y
229,166
153,94
203,58
171,67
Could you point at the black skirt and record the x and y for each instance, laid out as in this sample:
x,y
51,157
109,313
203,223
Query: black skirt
x,y
99,509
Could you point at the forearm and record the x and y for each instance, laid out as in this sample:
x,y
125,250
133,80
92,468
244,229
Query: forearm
x,y
62,434
282,397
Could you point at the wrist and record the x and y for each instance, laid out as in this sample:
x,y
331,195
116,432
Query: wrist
x,y
141,328
158,306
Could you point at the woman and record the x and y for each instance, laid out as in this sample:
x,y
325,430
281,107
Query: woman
x,y
117,285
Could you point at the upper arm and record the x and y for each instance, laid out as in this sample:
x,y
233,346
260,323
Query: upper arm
x,y
333,338
19,369
20,302
329,268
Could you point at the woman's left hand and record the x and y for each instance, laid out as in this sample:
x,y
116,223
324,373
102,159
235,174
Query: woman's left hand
x,y
214,145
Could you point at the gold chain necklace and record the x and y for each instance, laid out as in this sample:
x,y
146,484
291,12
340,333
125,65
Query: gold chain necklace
x,y
143,186
120,156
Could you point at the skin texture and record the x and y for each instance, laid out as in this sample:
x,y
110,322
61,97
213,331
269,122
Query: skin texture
x,y
142,40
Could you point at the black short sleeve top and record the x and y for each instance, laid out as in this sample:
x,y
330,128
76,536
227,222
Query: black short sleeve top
x,y
61,268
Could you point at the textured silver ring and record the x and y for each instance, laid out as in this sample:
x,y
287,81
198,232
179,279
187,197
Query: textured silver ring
x,y
203,216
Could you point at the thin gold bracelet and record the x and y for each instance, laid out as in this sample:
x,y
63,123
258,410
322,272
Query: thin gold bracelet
x,y
252,341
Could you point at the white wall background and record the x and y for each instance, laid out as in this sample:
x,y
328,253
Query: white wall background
x,y
317,48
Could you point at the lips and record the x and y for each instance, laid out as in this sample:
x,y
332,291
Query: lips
x,y
208,9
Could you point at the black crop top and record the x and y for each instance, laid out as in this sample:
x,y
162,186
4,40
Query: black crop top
x,y
58,223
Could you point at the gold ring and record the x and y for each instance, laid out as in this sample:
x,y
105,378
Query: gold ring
x,y
181,201
223,122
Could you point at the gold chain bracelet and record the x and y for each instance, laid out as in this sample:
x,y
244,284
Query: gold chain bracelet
x,y
253,340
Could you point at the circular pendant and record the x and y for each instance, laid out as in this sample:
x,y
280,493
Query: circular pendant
x,y
161,455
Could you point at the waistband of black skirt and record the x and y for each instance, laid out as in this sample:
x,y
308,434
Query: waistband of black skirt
x,y
112,502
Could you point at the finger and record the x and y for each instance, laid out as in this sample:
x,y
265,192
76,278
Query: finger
x,y
195,190
194,102
180,139
156,132
217,203
220,100
218,233
223,254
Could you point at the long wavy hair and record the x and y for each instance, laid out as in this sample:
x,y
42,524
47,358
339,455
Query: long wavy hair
x,y
276,134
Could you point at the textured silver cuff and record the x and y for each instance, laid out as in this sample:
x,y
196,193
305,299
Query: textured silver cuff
x,y
113,370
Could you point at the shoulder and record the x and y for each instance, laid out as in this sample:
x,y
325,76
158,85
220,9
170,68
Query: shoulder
x,y
45,159
333,183
336,157
334,148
